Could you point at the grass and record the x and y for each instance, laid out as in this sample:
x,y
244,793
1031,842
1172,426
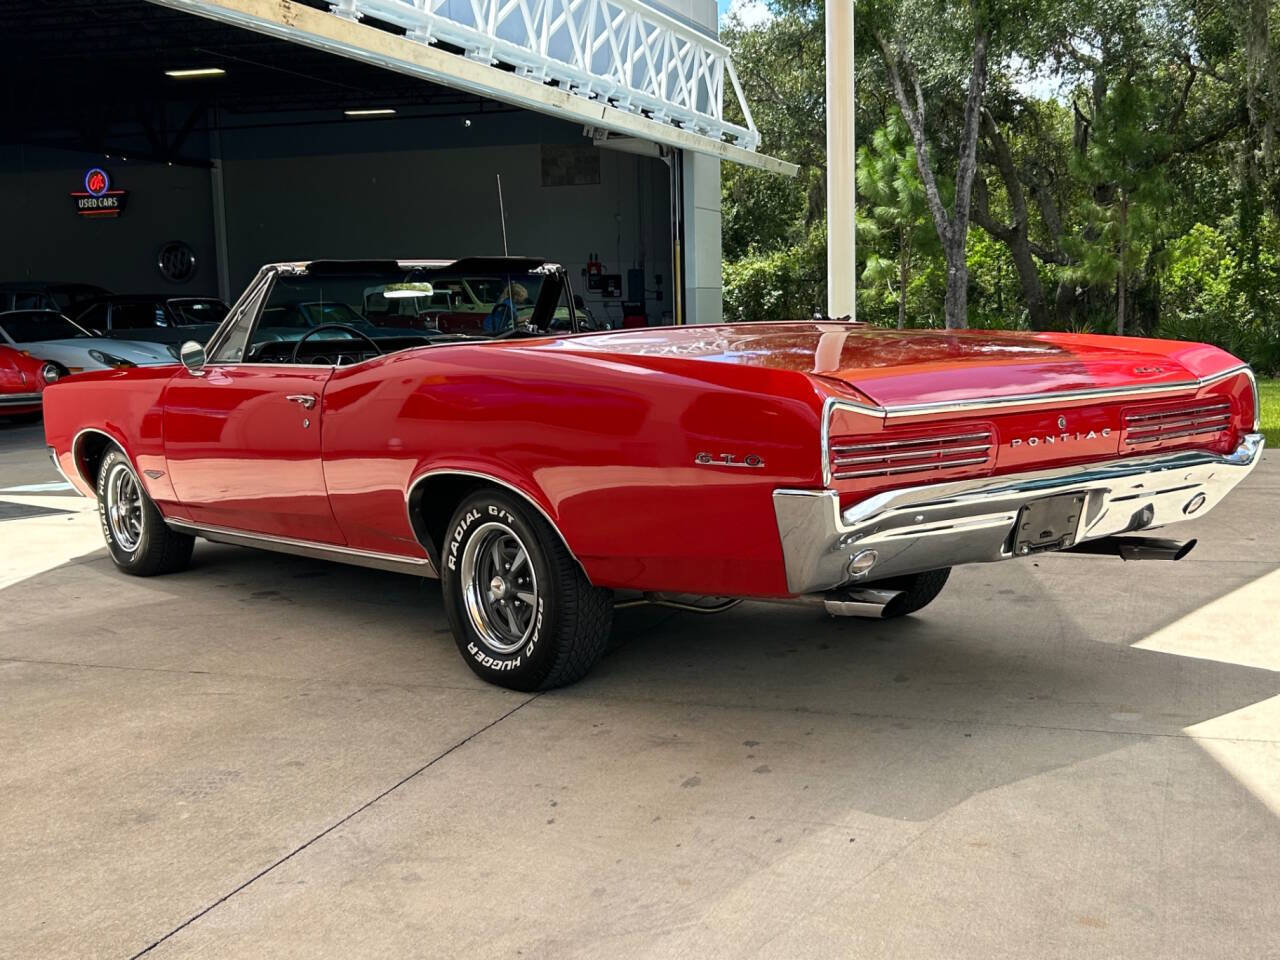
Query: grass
x,y
1270,390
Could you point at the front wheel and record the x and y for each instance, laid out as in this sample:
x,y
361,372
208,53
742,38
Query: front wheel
x,y
140,542
522,611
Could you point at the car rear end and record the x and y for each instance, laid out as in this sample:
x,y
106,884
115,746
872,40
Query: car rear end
x,y
916,486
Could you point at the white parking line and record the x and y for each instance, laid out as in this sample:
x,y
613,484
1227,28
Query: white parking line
x,y
51,487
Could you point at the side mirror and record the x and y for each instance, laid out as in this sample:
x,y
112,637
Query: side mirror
x,y
192,356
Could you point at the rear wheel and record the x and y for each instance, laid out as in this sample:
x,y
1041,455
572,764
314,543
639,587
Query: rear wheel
x,y
522,612
137,537
918,591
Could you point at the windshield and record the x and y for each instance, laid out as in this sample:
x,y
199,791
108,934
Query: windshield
x,y
37,325
427,304
189,312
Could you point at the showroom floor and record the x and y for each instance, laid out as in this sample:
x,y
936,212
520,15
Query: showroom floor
x,y
269,756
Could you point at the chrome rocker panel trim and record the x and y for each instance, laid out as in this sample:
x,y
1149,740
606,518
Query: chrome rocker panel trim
x,y
971,521
19,400
415,566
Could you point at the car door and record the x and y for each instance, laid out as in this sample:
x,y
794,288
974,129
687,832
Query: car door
x,y
242,440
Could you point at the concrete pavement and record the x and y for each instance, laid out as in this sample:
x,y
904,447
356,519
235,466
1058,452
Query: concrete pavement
x,y
268,756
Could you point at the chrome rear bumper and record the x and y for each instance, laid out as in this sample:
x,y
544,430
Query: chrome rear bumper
x,y
973,521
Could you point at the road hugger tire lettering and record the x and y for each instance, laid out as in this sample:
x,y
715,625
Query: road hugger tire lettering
x,y
521,610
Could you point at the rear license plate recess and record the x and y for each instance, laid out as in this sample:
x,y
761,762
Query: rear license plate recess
x,y
1048,524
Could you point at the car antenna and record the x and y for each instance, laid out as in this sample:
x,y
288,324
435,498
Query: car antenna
x,y
502,216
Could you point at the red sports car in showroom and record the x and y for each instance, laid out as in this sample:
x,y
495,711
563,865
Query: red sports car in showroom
x,y
22,382
547,478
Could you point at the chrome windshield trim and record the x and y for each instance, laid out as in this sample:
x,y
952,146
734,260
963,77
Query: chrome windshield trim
x,y
264,276
416,566
927,527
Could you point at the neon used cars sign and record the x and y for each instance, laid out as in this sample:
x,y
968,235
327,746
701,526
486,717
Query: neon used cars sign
x,y
98,199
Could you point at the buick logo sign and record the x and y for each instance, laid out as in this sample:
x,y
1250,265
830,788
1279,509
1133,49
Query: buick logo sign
x,y
177,262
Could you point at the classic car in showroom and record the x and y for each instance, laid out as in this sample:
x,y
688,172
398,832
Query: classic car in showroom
x,y
548,477
153,318
71,348
22,382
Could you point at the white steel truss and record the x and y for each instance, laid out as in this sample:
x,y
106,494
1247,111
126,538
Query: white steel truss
x,y
620,52
611,65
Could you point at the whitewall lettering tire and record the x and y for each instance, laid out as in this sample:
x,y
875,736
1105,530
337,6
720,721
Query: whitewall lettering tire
x,y
522,611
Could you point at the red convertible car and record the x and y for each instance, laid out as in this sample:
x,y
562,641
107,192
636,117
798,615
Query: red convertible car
x,y
22,382
547,478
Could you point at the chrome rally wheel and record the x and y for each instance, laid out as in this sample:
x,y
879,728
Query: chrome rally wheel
x,y
137,537
500,587
124,507
522,612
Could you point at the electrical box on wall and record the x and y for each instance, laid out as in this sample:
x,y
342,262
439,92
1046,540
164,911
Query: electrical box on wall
x,y
635,285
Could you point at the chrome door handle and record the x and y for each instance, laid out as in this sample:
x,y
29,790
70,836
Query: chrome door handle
x,y
306,399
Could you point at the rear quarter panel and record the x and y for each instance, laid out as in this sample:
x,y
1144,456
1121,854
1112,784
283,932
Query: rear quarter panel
x,y
608,449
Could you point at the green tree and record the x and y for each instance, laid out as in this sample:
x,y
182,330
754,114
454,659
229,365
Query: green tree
x,y
1123,222
896,221
903,31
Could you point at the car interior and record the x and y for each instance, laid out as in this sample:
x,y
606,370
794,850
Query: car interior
x,y
342,314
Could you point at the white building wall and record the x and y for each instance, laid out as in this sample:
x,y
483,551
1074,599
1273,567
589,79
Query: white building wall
x,y
703,285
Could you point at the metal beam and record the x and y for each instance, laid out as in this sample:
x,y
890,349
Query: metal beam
x,y
344,37
842,266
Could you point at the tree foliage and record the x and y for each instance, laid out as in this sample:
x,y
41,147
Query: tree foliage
x,y
1125,166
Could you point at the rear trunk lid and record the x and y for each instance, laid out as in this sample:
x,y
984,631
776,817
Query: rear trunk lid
x,y
912,368
933,369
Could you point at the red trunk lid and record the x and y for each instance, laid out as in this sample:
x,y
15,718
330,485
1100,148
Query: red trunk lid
x,y
899,367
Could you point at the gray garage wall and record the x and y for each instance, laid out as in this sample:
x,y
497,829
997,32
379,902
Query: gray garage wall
x,y
408,188
42,238
443,203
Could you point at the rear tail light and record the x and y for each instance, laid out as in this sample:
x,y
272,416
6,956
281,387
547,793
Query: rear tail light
x,y
889,455
1206,418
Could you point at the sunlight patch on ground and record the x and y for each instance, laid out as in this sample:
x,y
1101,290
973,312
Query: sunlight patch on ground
x,y
1245,741
1250,616
32,546
1237,741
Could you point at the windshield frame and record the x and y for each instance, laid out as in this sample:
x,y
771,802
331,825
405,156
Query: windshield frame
x,y
241,323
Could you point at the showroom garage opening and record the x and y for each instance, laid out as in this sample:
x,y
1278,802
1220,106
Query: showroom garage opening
x,y
174,148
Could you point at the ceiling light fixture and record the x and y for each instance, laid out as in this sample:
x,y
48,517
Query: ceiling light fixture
x,y
370,112
195,72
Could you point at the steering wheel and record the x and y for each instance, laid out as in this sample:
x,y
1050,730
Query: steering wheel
x,y
332,326
520,327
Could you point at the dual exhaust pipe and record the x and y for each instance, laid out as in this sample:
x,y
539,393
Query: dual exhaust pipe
x,y
875,604
1135,548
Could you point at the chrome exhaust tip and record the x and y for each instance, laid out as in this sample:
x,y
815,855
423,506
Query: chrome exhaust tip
x,y
860,602
1136,548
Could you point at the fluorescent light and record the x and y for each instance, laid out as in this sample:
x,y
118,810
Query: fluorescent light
x,y
371,112
196,72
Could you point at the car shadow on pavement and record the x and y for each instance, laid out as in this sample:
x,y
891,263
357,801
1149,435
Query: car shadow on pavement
x,y
1005,650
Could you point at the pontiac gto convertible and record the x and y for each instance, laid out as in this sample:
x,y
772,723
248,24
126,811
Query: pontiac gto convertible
x,y
547,477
